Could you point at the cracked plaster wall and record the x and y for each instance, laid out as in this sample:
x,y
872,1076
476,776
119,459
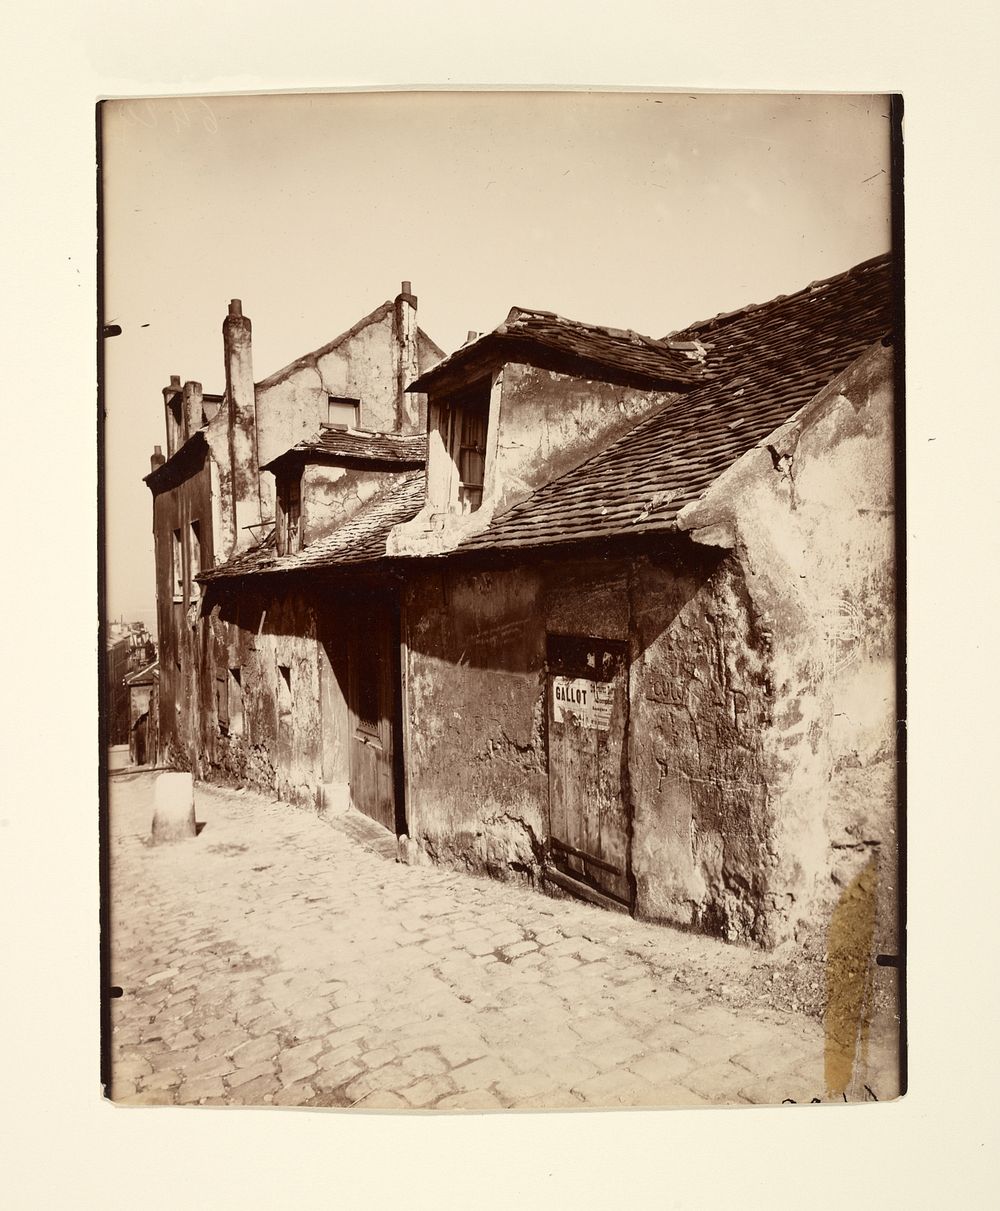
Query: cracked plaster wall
x,y
478,765
332,495
542,425
292,404
549,423
477,775
810,516
701,846
280,746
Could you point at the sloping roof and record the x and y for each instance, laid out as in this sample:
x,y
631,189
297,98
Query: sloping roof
x,y
360,540
542,338
355,445
309,360
766,361
144,676
180,464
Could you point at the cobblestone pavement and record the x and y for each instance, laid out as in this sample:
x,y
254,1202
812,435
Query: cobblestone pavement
x,y
284,959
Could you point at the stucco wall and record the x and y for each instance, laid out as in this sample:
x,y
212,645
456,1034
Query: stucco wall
x,y
548,423
702,847
810,515
332,495
282,744
477,759
291,404
477,783
542,424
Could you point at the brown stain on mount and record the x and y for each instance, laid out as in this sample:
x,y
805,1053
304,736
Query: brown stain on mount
x,y
849,980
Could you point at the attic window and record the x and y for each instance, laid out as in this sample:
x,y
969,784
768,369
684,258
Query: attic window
x,y
289,520
463,425
343,412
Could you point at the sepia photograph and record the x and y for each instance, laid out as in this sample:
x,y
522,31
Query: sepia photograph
x,y
503,679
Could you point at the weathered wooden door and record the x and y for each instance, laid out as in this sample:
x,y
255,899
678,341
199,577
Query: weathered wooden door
x,y
373,674
588,817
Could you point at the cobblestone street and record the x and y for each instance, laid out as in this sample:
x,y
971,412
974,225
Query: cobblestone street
x,y
284,959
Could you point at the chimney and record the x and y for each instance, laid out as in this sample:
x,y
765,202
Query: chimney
x,y
156,459
410,410
245,477
172,414
192,408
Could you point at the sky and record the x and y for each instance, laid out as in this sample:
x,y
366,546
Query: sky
x,y
638,210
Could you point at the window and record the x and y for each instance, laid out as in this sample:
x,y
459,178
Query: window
x,y
195,558
343,412
222,703
284,689
236,702
463,430
369,679
177,553
289,521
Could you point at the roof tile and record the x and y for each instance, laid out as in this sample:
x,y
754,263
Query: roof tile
x,y
766,362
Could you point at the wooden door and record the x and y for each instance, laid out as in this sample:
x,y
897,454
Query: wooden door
x,y
587,694
373,664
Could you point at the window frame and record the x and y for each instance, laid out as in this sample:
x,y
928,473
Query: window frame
x,y
177,563
458,415
194,564
349,400
288,512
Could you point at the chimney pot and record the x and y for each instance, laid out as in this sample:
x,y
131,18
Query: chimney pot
x,y
407,288
235,307
175,381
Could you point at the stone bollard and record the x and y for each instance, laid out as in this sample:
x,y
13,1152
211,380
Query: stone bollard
x,y
173,808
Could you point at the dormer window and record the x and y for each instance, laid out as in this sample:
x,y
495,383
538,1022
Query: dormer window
x,y
288,523
463,423
343,412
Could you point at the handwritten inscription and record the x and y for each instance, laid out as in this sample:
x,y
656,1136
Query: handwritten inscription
x,y
183,113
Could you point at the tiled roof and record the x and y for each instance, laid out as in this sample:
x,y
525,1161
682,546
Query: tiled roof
x,y
355,445
544,339
766,361
360,540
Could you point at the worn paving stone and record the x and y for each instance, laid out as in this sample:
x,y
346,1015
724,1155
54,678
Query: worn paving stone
x,y
429,1090
662,1067
467,994
201,1087
256,1051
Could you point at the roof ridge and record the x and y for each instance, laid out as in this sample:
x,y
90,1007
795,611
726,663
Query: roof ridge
x,y
715,321
306,359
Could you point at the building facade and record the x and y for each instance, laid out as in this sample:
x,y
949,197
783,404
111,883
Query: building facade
x,y
212,500
610,614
